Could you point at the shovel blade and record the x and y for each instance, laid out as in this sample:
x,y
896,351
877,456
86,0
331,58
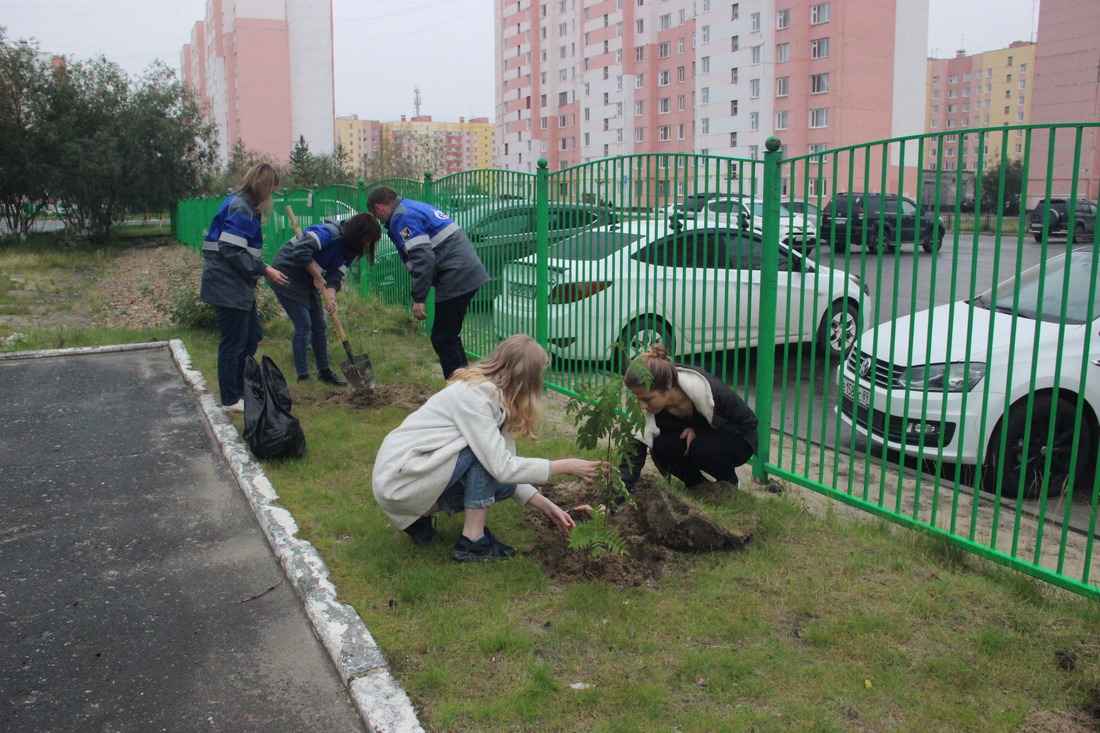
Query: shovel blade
x,y
359,372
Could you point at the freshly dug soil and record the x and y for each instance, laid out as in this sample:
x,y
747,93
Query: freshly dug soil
x,y
662,526
399,394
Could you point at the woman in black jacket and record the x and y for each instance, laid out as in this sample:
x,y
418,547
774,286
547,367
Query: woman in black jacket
x,y
694,422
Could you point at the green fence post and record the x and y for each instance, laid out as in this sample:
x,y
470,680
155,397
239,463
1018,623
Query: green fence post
x,y
542,247
428,195
769,289
361,206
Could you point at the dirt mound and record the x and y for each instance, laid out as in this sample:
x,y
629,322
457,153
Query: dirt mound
x,y
662,526
408,396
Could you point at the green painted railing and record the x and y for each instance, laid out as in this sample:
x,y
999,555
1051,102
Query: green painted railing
x,y
916,422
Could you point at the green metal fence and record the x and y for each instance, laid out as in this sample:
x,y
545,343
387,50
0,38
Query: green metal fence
x,y
833,290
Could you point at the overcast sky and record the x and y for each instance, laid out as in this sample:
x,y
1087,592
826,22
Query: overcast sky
x,y
384,49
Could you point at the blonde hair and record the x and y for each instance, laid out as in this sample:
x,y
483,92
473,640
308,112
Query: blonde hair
x,y
652,371
516,367
258,184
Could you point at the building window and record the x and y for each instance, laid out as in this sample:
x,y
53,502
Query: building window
x,y
706,64
1019,116
680,46
639,134
563,98
665,49
1023,68
782,86
819,48
733,108
639,108
681,103
781,120
754,120
756,54
935,109
639,81
680,131
666,21
734,43
733,139
783,19
819,118
733,75
952,109
754,88
754,21
1009,61
705,95
706,34
953,79
1023,83
819,83
639,53
819,13
704,126
952,93
664,133
542,100
664,78
664,105
735,11
783,52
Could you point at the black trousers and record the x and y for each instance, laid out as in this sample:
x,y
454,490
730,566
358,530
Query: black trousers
x,y
449,315
717,453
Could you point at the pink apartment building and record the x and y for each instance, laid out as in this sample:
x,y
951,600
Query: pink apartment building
x,y
582,80
1067,89
264,68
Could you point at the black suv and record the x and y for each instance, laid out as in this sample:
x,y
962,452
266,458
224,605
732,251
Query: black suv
x,y
884,219
1057,213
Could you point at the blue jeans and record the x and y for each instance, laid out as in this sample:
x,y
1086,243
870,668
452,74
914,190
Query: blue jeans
x,y
472,487
310,329
449,315
241,334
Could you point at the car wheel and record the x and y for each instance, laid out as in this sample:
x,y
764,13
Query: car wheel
x,y
930,244
637,338
873,236
838,245
1079,234
1013,465
839,329
1038,238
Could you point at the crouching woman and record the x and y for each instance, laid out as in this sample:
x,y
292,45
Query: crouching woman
x,y
694,423
457,453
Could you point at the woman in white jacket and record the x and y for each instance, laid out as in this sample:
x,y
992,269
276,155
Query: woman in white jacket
x,y
457,452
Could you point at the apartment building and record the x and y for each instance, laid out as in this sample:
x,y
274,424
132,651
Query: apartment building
x,y
991,89
360,139
587,79
264,69
457,146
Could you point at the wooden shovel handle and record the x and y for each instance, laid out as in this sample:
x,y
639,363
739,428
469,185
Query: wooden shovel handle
x,y
332,316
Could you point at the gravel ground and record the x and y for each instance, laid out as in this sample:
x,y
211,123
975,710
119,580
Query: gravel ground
x,y
140,284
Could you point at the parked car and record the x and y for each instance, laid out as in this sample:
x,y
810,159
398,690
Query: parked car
x,y
691,204
504,231
811,211
695,288
748,213
955,380
878,220
1053,216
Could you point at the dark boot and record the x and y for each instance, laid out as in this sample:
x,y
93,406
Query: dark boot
x,y
329,377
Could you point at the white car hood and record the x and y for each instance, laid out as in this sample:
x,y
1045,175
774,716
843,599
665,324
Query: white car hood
x,y
968,328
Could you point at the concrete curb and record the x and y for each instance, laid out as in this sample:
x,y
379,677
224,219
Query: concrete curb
x,y
382,704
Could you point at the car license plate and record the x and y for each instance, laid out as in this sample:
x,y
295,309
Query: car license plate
x,y
856,393
520,290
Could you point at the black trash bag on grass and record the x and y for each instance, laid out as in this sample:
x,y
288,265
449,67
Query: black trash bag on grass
x,y
269,428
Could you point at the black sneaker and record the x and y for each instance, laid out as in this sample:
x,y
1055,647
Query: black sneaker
x,y
484,550
329,377
505,550
422,531
303,377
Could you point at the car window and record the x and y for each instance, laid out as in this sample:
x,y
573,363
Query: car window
x,y
908,207
724,207
746,251
504,222
571,218
1050,283
694,249
592,245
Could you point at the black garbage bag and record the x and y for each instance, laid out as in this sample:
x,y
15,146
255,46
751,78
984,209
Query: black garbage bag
x,y
269,428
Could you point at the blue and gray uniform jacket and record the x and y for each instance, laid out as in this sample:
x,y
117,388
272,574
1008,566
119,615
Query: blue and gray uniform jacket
x,y
435,250
321,243
233,253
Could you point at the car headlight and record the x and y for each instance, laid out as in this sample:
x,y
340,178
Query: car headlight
x,y
954,377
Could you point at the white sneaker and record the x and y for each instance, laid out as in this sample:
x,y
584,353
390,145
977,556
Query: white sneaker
x,y
238,406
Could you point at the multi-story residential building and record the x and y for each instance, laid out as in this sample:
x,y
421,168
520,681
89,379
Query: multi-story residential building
x,y
264,68
1067,89
990,89
457,146
360,139
588,79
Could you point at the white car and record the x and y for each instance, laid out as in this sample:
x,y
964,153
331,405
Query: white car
x,y
952,382
795,230
692,286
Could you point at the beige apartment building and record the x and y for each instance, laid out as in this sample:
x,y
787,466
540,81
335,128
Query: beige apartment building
x,y
441,147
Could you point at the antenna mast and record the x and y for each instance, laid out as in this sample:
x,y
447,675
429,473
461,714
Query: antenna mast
x,y
416,100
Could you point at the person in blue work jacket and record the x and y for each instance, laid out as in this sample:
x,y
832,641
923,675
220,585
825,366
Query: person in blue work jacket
x,y
315,264
232,267
437,253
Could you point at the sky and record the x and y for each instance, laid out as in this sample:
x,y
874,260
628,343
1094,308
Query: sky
x,y
383,49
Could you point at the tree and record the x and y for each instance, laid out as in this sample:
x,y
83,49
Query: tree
x,y
991,185
241,158
24,189
405,154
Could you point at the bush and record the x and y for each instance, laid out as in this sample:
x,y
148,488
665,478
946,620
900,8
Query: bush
x,y
184,309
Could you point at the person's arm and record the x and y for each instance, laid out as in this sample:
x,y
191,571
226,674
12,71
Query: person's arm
x,y
422,271
557,515
630,470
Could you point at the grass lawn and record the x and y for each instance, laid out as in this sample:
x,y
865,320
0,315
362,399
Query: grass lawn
x,y
822,623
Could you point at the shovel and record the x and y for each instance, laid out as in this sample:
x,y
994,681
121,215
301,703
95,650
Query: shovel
x,y
358,369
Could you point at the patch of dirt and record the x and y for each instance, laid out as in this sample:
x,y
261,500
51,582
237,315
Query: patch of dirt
x,y
142,279
401,394
663,526
1060,721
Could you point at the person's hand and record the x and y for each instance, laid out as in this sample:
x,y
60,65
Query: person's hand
x,y
419,313
319,283
330,301
688,435
558,516
274,276
582,469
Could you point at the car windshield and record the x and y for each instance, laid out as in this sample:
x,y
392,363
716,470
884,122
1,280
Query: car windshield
x,y
592,245
758,209
1043,290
